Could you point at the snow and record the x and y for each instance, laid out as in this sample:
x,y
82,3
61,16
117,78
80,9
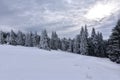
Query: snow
x,y
27,63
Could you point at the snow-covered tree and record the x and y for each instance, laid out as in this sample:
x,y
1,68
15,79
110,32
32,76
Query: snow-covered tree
x,y
64,44
54,41
114,44
44,41
12,38
84,42
90,47
86,32
101,45
59,43
70,45
28,39
2,39
7,38
35,39
76,44
81,44
20,38
95,44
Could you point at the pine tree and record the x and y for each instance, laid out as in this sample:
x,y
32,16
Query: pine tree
x,y
54,42
20,38
12,38
44,41
2,39
105,42
83,42
114,44
64,44
70,45
101,45
86,31
7,38
28,39
76,44
90,47
95,44
35,39
59,43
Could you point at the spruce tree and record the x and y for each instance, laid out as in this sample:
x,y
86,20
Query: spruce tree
x,y
7,38
44,41
95,44
76,44
35,39
114,44
70,45
83,42
90,47
13,38
20,38
59,43
64,44
54,41
101,45
28,39
2,39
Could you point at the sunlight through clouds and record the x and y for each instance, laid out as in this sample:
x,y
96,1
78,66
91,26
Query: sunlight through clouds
x,y
101,10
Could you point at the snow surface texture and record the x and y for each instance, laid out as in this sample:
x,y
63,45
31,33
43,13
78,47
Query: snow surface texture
x,y
21,63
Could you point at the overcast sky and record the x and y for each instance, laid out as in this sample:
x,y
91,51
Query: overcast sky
x,y
64,16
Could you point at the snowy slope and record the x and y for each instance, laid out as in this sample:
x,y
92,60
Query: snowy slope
x,y
21,63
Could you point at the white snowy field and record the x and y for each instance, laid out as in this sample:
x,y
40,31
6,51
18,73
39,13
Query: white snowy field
x,y
22,63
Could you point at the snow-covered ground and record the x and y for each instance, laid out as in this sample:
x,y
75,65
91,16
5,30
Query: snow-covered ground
x,y
22,63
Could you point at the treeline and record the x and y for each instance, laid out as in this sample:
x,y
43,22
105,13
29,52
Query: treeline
x,y
83,43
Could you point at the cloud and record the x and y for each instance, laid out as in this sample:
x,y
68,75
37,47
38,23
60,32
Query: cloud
x,y
64,16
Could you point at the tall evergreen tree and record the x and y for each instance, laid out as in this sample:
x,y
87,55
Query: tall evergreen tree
x,y
101,45
76,44
7,38
2,39
44,41
70,45
114,44
28,40
20,38
35,39
90,47
64,44
83,42
12,38
86,32
59,43
54,41
95,44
